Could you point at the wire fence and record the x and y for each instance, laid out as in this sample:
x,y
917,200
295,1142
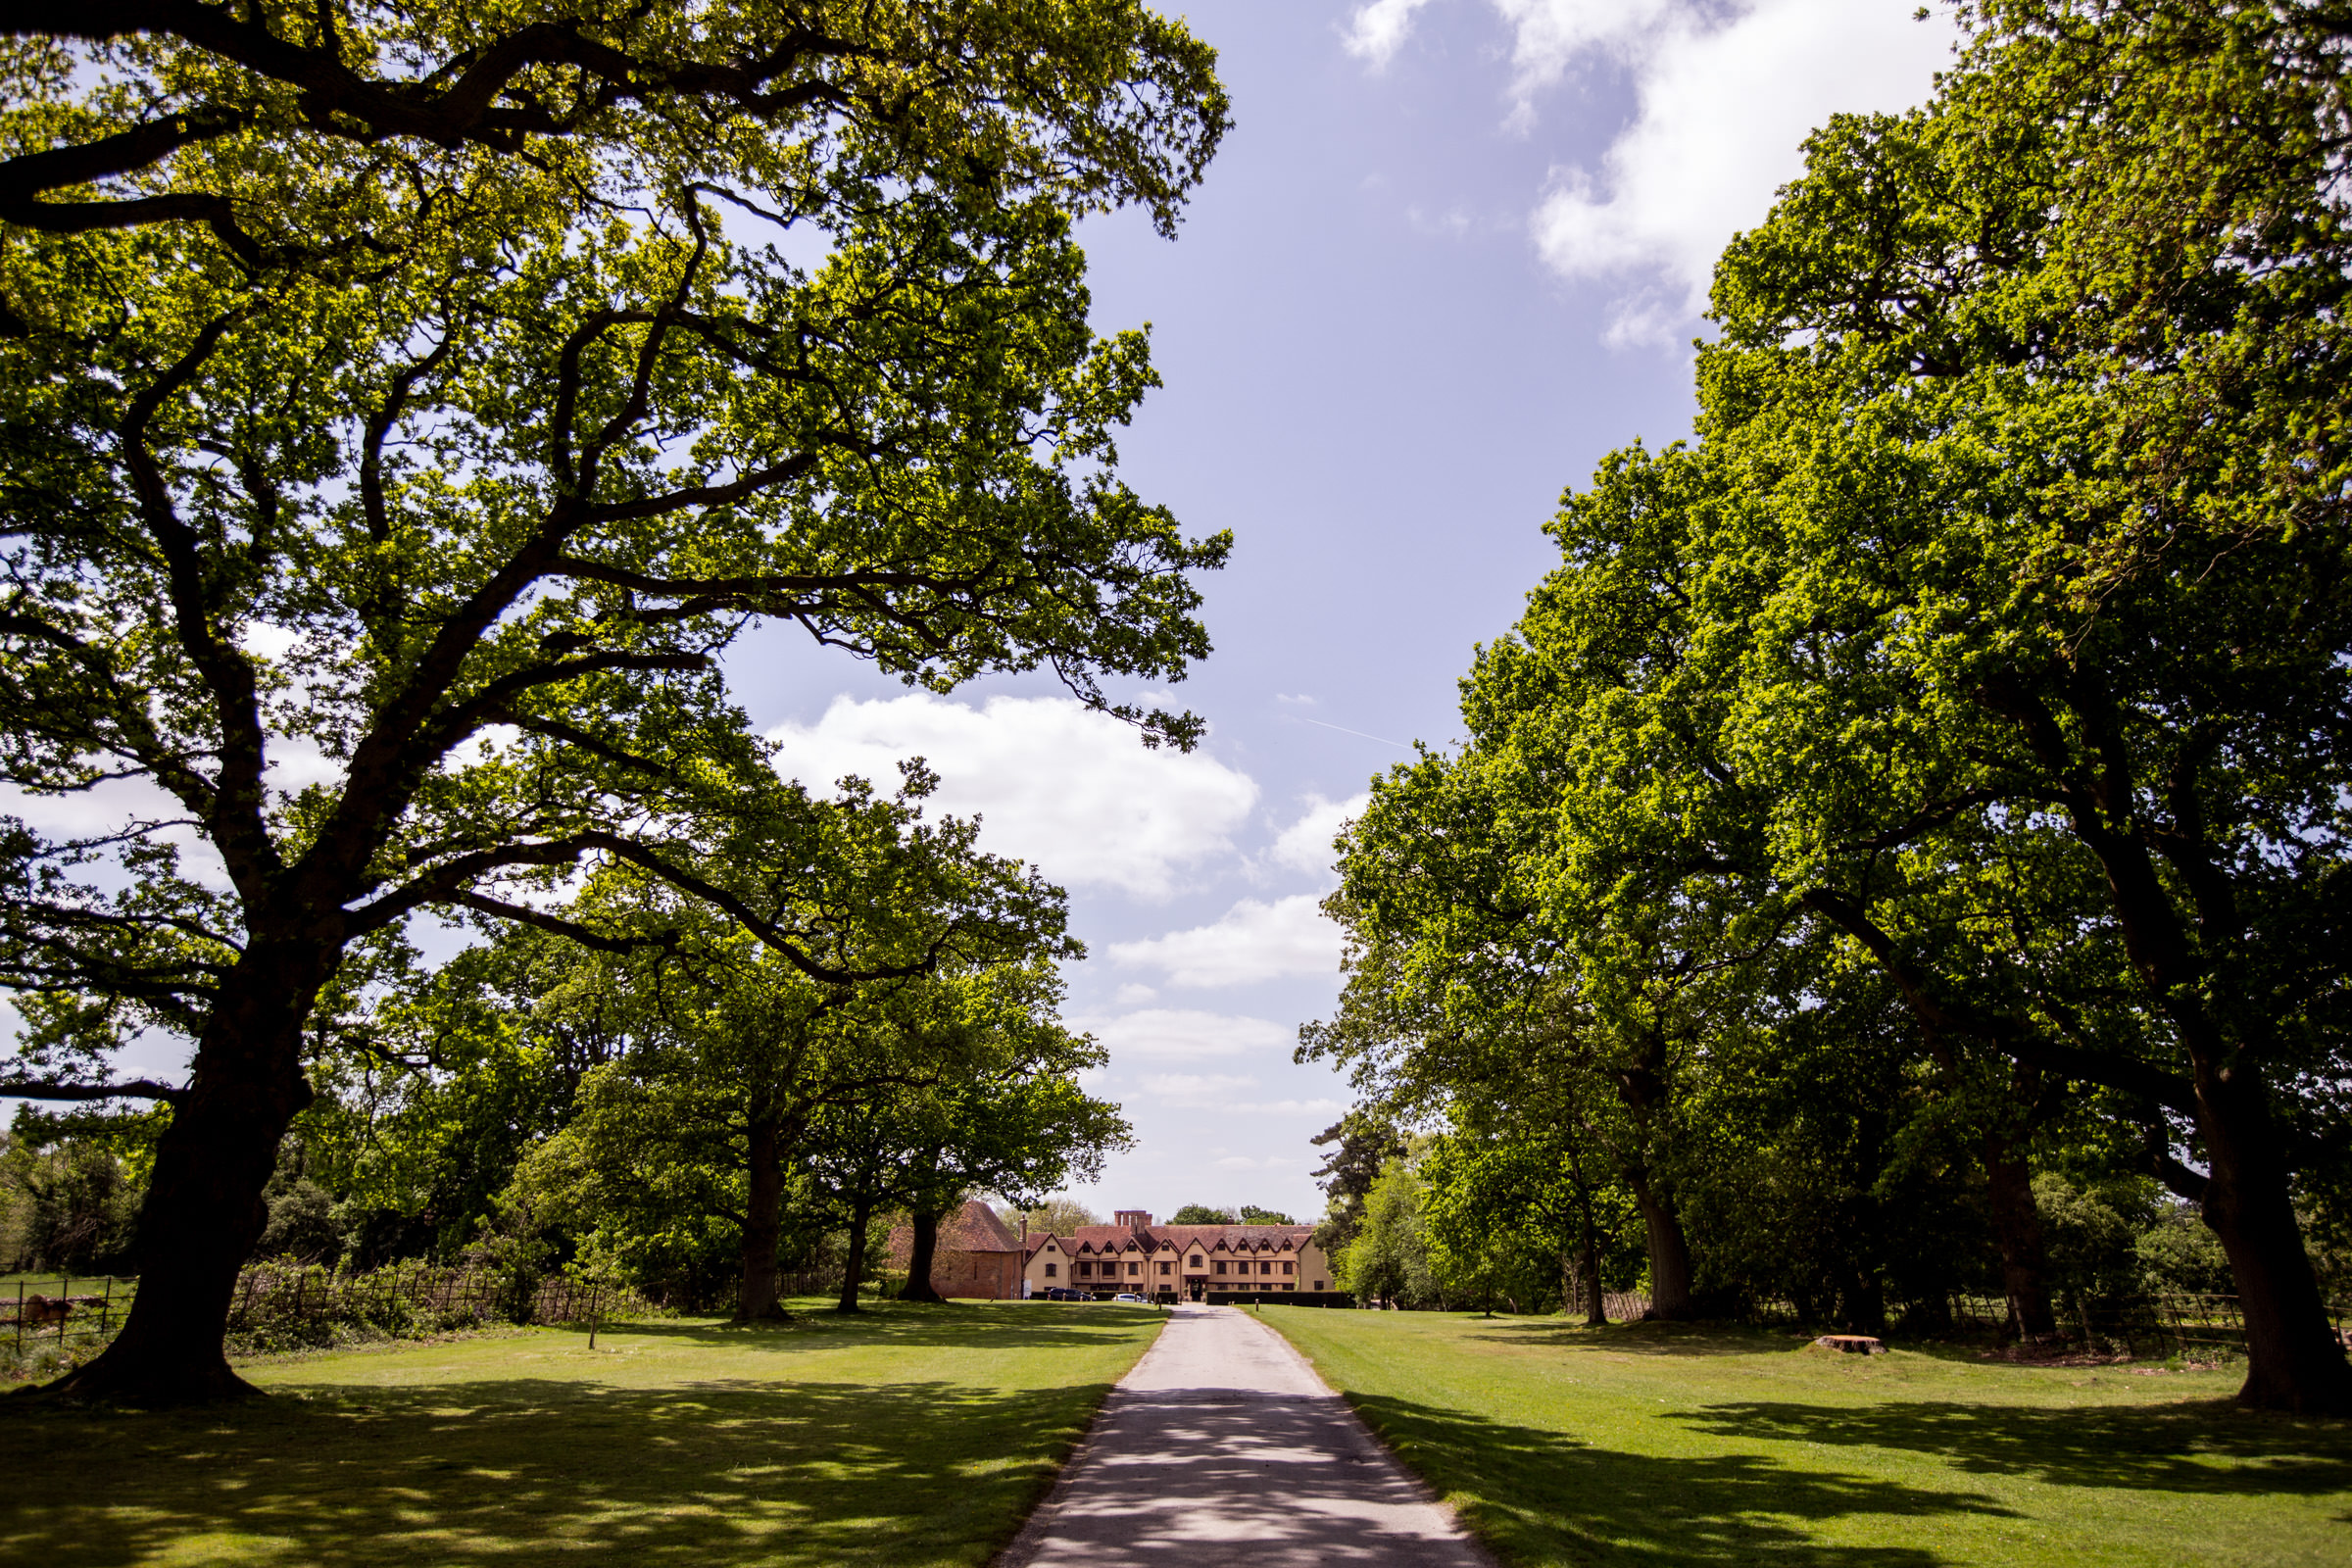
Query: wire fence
x,y
69,1311
402,1294
286,1307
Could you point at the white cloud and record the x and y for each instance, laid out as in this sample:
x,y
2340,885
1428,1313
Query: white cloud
x,y
1379,30
1230,1094
1183,1034
1192,1090
1305,845
1725,91
1251,942
1723,103
1291,1108
1132,995
1072,791
1548,36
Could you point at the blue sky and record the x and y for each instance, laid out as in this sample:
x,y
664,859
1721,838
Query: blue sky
x,y
1452,254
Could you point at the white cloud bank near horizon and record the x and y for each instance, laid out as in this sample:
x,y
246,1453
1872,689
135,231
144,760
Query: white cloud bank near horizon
x,y
1305,845
1724,99
1251,942
1182,1034
1080,798
1102,810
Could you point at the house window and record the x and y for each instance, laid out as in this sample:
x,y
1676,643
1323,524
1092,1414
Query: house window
x,y
1049,1270
1318,1284
1285,1268
1265,1268
1134,1269
1165,1269
1220,1265
1086,1269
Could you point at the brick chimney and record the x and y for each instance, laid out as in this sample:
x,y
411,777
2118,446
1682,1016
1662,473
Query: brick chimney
x,y
1134,1219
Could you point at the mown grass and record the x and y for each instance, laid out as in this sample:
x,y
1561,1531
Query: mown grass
x,y
1658,1445
912,1435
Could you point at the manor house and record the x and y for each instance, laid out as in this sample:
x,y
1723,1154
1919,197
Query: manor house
x,y
1187,1261
976,1256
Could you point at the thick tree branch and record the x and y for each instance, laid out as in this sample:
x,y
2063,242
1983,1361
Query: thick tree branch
x,y
51,1089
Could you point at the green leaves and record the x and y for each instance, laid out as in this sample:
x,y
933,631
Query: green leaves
x,y
1987,654
405,408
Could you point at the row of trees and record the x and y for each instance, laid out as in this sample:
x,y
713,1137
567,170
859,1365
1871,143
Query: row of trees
x,y
689,1112
1245,1215
1476,1218
1934,772
406,412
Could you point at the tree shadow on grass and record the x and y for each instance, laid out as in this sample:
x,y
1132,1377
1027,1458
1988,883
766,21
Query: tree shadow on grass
x,y
2153,1447
1639,1338
1012,1326
1544,1497
715,1473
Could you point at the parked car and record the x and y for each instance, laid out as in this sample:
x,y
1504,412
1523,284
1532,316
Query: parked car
x,y
1132,1297
1062,1292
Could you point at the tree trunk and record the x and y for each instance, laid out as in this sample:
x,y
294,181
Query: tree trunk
x,y
204,1210
1588,1262
2016,1228
924,1223
1862,1301
1669,1255
755,1296
853,1272
2293,1359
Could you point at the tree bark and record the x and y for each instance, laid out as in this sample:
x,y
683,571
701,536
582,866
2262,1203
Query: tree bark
x,y
1670,1271
1587,1251
924,1222
853,1272
2186,960
757,1297
2017,1230
1862,1301
2293,1359
204,1210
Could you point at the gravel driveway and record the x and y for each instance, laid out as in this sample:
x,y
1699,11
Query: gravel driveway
x,y
1223,1446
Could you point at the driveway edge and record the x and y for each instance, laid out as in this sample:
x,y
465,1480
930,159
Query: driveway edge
x,y
1420,1483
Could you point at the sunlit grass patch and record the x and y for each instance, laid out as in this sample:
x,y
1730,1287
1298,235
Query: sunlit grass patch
x,y
1653,1444
912,1435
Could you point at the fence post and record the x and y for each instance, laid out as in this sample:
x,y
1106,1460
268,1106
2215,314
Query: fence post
x,y
19,1317
65,1305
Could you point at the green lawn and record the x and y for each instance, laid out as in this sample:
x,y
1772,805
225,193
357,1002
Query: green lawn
x,y
1652,1445
913,1435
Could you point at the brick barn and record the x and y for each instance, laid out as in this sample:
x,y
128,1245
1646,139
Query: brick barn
x,y
976,1257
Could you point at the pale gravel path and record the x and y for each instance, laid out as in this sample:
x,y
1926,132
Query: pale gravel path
x,y
1223,1446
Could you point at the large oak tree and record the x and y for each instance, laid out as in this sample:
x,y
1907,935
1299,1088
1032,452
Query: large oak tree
x,y
405,406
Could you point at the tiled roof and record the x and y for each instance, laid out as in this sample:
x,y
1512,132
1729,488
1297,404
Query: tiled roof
x,y
973,1228
1100,1239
